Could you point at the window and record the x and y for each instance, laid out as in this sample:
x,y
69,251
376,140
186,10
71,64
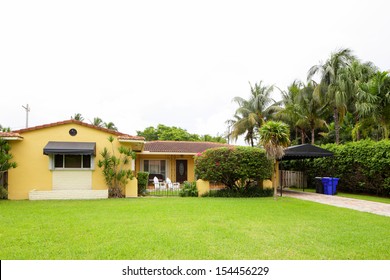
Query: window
x,y
155,167
72,161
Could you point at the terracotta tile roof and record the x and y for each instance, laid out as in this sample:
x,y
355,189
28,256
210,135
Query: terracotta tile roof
x,y
181,146
130,137
117,133
10,134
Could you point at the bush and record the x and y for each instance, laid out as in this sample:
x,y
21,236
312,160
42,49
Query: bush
x,y
189,189
363,167
143,178
116,170
251,191
234,167
3,192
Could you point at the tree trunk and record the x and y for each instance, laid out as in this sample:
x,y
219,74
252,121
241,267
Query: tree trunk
x,y
312,135
357,127
336,124
302,136
275,181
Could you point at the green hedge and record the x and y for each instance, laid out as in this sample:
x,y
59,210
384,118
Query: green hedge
x,y
189,189
143,178
234,166
363,167
251,191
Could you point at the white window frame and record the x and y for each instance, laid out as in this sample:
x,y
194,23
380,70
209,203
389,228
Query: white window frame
x,y
167,166
52,163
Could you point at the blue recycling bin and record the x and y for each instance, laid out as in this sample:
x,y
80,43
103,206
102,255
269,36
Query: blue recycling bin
x,y
330,185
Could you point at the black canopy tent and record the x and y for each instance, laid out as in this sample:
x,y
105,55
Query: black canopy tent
x,y
304,151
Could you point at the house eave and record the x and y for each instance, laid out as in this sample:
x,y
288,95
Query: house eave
x,y
167,153
131,141
12,138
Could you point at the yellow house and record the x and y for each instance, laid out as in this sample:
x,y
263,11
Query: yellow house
x,y
59,160
171,159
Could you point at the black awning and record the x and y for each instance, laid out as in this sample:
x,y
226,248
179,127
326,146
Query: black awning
x,y
305,151
75,148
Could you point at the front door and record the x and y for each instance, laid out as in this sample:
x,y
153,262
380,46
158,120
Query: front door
x,y
181,170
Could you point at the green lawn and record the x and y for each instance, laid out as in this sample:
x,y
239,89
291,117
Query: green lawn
x,y
365,197
189,228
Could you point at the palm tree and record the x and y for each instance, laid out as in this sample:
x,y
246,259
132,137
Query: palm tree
x,y
110,126
252,112
332,80
77,117
357,75
374,101
289,112
311,111
98,122
5,129
274,137
243,123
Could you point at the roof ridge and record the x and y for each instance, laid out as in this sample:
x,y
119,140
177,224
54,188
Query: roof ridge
x,y
70,122
186,141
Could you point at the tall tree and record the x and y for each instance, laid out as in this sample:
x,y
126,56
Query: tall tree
x,y
289,112
252,112
374,101
357,76
110,126
77,117
311,111
274,137
333,80
98,122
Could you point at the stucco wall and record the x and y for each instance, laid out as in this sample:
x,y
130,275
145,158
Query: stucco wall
x,y
33,171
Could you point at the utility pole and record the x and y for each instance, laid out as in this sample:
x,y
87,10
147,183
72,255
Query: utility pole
x,y
27,108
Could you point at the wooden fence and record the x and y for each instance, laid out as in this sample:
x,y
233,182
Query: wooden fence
x,y
292,179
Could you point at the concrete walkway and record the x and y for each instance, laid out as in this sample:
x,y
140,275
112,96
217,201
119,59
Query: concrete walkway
x,y
351,203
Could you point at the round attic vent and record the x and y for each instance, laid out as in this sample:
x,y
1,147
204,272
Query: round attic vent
x,y
73,132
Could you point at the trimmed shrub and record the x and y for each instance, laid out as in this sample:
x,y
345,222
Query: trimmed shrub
x,y
363,167
3,192
189,189
251,191
142,182
235,167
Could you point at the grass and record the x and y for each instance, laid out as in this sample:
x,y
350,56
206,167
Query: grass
x,y
365,197
189,228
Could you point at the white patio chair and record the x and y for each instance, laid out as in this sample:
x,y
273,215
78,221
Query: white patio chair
x,y
169,183
156,183
176,186
163,186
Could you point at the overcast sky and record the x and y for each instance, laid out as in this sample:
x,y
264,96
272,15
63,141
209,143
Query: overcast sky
x,y
179,63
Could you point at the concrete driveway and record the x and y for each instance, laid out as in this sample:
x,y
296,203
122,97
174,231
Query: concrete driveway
x,y
351,203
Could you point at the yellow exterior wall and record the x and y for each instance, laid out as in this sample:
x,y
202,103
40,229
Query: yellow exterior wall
x,y
132,188
202,186
33,170
267,184
171,171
